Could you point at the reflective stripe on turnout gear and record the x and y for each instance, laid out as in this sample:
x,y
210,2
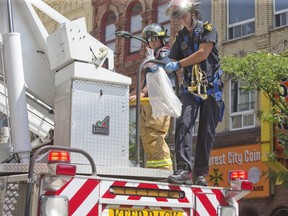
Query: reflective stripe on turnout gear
x,y
159,163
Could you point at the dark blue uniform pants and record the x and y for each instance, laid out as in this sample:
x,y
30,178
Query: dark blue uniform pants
x,y
208,120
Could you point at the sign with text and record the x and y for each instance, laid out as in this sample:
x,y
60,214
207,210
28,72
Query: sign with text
x,y
248,158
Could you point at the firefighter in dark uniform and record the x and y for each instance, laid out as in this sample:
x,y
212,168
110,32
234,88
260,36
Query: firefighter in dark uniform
x,y
194,50
154,130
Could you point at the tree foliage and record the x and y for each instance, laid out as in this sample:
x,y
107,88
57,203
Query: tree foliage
x,y
266,72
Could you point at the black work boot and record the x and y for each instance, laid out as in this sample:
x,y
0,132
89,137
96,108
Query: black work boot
x,y
182,175
200,180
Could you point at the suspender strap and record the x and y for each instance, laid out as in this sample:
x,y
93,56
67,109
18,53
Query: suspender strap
x,y
196,36
215,89
217,92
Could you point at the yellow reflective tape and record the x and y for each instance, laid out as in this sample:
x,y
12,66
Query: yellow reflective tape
x,y
143,212
143,101
159,163
161,33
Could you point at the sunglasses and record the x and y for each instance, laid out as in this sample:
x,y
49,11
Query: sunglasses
x,y
153,39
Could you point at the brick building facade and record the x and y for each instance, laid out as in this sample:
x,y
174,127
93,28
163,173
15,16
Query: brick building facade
x,y
71,9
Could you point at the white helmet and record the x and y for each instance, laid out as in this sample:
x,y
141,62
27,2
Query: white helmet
x,y
178,7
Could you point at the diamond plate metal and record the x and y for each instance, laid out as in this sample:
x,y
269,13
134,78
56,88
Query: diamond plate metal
x,y
14,199
115,171
23,168
13,195
91,103
62,114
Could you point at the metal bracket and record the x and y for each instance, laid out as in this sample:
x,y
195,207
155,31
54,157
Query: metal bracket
x,y
3,183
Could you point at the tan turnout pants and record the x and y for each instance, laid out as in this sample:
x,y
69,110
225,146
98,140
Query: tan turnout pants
x,y
153,132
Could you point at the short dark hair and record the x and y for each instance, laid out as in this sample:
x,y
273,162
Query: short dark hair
x,y
196,12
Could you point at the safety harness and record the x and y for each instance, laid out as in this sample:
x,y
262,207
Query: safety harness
x,y
214,79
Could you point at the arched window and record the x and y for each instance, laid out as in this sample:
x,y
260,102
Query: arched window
x,y
161,16
281,211
108,29
135,27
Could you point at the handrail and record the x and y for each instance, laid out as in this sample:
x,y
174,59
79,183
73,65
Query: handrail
x,y
31,168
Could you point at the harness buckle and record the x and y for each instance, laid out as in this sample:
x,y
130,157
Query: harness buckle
x,y
197,30
199,82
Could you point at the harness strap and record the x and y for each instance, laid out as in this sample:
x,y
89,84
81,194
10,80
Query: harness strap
x,y
214,79
196,37
191,48
217,92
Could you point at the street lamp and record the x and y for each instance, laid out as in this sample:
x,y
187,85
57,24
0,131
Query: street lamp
x,y
128,35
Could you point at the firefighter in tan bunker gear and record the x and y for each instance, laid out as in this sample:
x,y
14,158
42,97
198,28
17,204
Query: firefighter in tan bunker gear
x,y
153,131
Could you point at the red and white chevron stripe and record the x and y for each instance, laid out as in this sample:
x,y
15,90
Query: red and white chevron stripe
x,y
93,197
207,200
83,195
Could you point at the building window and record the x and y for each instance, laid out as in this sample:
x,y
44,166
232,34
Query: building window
x,y
205,9
135,27
242,106
110,28
280,12
161,16
241,18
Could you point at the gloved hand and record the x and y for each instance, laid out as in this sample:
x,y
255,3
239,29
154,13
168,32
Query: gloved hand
x,y
152,69
172,66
